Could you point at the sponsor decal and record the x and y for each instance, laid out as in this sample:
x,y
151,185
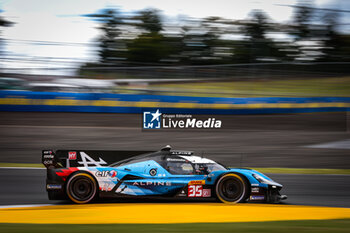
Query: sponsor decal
x,y
106,187
47,152
158,120
198,191
72,155
48,162
206,192
253,197
151,120
153,172
49,156
53,186
86,160
196,182
175,160
111,174
182,193
155,183
195,191
181,153
255,189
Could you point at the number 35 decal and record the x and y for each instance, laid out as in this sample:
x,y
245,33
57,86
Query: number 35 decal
x,y
195,191
198,191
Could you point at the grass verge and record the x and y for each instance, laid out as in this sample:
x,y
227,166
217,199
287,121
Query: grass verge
x,y
320,226
338,86
37,165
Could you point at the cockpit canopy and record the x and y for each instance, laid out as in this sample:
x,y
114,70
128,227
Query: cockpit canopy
x,y
176,162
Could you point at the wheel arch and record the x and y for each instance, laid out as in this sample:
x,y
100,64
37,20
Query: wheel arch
x,y
82,172
244,178
237,173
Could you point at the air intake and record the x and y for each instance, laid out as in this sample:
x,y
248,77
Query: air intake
x,y
166,148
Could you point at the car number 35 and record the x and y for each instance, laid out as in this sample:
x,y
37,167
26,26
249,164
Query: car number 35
x,y
195,191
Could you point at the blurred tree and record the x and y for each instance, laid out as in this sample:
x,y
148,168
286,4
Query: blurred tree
x,y
336,46
200,42
257,28
331,37
3,23
257,46
150,46
150,20
303,15
142,38
110,48
305,32
316,35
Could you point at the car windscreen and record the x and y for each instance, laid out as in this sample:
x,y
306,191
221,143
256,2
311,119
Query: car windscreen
x,y
206,168
185,168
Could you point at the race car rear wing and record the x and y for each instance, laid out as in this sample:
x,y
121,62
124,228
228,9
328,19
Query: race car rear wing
x,y
85,158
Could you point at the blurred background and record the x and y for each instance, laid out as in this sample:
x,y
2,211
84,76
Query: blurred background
x,y
77,74
223,49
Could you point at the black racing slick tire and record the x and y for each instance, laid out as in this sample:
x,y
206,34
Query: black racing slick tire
x,y
81,188
232,188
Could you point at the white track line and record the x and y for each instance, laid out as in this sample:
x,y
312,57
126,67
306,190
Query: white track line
x,y
24,206
344,144
22,168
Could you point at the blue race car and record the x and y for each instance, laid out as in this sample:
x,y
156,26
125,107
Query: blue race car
x,y
83,176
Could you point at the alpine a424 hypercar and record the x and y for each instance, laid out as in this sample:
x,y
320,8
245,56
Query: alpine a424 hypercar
x,y
83,176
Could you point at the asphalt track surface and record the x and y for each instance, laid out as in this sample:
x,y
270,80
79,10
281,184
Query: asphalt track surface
x,y
27,186
246,140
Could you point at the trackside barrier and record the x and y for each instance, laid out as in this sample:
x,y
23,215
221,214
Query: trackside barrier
x,y
130,103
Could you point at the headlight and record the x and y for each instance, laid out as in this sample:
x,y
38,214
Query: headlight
x,y
261,179
266,181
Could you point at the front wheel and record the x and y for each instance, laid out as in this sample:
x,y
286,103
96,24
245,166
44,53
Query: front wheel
x,y
81,188
231,188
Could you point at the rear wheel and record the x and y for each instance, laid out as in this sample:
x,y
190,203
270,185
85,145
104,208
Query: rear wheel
x,y
81,188
231,188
